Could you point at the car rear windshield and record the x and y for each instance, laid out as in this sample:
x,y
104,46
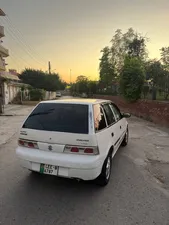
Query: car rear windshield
x,y
71,118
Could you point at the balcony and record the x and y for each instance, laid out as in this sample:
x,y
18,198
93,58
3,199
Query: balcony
x,y
2,34
3,51
2,64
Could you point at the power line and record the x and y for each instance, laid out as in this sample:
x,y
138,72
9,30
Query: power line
x,y
22,36
21,43
21,48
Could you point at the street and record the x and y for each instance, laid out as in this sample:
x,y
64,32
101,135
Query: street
x,y
138,192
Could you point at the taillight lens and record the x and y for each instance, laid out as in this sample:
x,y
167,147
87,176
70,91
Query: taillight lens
x,y
81,150
28,144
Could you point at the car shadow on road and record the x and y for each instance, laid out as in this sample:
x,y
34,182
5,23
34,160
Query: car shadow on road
x,y
35,196
52,182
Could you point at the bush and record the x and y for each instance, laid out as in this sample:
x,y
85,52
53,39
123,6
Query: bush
x,y
36,94
132,79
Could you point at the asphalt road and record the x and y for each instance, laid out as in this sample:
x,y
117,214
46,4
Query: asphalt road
x,y
132,196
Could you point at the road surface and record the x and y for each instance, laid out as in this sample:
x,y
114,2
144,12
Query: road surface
x,y
136,194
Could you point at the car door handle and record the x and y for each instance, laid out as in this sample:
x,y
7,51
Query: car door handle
x,y
112,134
120,127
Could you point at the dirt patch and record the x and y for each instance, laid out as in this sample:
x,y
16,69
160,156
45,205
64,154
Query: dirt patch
x,y
160,171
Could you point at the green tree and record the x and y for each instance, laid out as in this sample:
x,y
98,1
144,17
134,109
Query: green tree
x,y
92,87
156,73
82,84
40,80
165,60
107,73
132,78
130,43
165,56
137,47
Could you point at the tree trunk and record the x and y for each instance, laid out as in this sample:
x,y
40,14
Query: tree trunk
x,y
154,93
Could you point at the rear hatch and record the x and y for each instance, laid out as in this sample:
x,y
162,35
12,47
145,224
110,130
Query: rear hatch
x,y
56,125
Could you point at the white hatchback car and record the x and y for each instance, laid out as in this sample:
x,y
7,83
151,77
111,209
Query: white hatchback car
x,y
73,138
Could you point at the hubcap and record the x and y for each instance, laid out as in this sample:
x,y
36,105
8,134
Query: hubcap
x,y
108,167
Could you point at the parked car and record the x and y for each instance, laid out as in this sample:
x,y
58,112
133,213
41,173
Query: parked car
x,y
58,94
73,138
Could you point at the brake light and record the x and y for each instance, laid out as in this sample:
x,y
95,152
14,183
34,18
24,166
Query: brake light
x,y
74,149
81,150
28,144
88,150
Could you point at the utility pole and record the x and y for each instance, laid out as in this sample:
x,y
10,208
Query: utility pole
x,y
49,67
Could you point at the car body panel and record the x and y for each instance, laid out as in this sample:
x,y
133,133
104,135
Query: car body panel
x,y
51,145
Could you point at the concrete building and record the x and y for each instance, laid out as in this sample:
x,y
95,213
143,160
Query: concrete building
x,y
9,81
3,51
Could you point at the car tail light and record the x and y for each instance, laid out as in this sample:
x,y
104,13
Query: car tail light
x,y
74,149
28,144
81,150
88,150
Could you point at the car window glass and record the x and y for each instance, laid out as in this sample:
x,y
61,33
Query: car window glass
x,y
99,118
116,111
71,118
109,114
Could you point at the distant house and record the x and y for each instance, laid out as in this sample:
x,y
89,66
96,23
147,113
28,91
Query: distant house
x,y
10,86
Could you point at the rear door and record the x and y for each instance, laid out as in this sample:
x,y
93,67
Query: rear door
x,y
102,132
54,125
113,126
120,121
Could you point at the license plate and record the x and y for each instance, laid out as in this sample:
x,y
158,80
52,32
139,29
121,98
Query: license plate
x,y
48,169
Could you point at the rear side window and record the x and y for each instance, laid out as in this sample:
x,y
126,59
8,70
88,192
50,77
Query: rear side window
x,y
99,119
116,111
109,114
71,118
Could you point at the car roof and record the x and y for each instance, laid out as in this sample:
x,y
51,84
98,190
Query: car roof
x,y
84,101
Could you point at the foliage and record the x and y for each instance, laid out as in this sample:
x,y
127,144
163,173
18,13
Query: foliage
x,y
159,75
107,73
92,86
136,47
130,43
83,85
165,56
154,71
132,78
40,80
36,94
145,90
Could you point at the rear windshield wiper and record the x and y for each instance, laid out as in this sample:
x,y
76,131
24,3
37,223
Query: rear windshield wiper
x,y
41,113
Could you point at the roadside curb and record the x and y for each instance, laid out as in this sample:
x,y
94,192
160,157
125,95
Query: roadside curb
x,y
7,115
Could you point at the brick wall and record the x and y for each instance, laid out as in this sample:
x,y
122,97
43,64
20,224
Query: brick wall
x,y
157,112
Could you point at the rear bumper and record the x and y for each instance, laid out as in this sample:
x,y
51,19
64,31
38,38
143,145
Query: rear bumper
x,y
70,165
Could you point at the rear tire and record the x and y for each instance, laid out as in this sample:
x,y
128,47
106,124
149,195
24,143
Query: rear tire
x,y
104,177
126,138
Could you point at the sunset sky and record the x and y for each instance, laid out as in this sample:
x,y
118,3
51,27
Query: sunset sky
x,y
71,33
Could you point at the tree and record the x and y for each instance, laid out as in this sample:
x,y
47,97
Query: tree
x,y
40,80
155,73
130,43
92,87
136,48
159,75
132,78
82,84
165,56
107,74
165,61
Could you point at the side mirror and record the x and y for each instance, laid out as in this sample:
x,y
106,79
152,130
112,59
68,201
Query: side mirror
x,y
126,115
